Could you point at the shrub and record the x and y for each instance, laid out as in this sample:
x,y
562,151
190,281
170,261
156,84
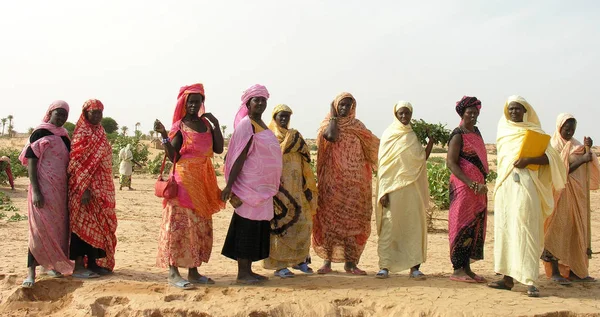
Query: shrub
x,y
140,151
437,160
438,131
491,177
156,162
438,176
18,170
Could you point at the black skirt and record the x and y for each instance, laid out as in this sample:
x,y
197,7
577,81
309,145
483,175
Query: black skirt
x,y
247,239
79,248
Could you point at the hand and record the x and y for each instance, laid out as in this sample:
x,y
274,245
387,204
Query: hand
x,y
226,194
159,127
588,156
521,163
209,116
429,135
587,141
308,194
481,189
333,111
85,198
385,201
38,199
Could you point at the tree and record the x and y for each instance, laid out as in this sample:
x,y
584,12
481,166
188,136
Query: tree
x,y
124,130
10,125
70,126
10,119
3,124
151,133
137,126
109,124
30,130
223,128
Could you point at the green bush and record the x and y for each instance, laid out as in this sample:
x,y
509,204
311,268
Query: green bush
x,y
438,131
438,176
491,177
18,170
140,151
156,162
437,160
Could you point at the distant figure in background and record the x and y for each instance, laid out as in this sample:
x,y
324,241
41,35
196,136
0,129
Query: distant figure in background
x,y
126,167
5,166
92,196
46,156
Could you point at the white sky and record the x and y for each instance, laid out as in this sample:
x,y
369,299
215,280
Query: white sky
x,y
134,56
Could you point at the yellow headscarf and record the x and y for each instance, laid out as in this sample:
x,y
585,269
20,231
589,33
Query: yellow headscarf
x,y
508,143
279,132
401,156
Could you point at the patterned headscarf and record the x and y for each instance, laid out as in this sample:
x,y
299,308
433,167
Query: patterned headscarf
x,y
254,91
279,132
182,97
465,103
58,104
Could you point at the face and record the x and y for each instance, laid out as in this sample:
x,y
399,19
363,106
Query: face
x,y
257,105
194,103
568,129
470,115
516,111
283,119
94,116
404,115
344,107
58,117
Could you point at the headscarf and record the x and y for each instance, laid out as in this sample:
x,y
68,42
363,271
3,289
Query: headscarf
x,y
401,156
465,103
182,97
509,140
125,153
279,132
58,131
350,124
573,146
256,90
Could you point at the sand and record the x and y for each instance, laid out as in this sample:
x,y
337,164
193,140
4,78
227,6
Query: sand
x,y
138,288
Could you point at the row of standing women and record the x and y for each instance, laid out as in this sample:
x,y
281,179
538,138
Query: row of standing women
x,y
279,207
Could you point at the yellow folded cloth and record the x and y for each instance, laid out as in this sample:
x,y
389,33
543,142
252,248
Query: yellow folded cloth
x,y
534,145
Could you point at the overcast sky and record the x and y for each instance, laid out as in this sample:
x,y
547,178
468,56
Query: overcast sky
x,y
134,56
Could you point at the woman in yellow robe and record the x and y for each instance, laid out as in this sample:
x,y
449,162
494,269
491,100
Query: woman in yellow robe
x,y
566,231
523,198
296,202
402,196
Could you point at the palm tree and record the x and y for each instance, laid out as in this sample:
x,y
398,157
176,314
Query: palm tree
x,y
3,124
10,119
10,125
151,133
137,126
124,130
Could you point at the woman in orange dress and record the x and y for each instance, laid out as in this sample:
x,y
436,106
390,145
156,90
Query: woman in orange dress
x,y
186,232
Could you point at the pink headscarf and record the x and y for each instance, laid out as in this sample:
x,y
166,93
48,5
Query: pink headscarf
x,y
184,92
254,91
57,104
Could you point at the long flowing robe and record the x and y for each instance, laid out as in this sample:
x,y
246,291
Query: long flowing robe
x,y
522,206
292,225
566,230
402,175
342,223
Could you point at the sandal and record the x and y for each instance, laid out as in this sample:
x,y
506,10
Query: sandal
x,y
464,278
304,268
284,273
324,270
417,275
479,279
532,291
54,274
560,280
383,273
355,271
587,279
85,274
251,281
182,284
499,285
28,283
203,280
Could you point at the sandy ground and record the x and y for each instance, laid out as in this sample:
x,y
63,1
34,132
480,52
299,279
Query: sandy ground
x,y
138,288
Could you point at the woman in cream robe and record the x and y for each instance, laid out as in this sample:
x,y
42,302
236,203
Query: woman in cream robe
x,y
402,196
523,198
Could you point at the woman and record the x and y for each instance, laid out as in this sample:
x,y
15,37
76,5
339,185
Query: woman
x,y
47,157
126,167
253,173
346,158
295,204
523,198
467,160
402,196
92,196
5,166
566,230
186,232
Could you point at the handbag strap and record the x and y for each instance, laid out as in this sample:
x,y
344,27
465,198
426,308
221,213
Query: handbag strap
x,y
162,166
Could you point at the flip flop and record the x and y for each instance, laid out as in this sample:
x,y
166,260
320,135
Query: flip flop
x,y
532,291
304,268
479,279
101,271
465,279
87,274
182,284
383,274
28,283
324,270
355,271
248,282
499,285
417,275
561,280
587,279
203,280
284,273
54,274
